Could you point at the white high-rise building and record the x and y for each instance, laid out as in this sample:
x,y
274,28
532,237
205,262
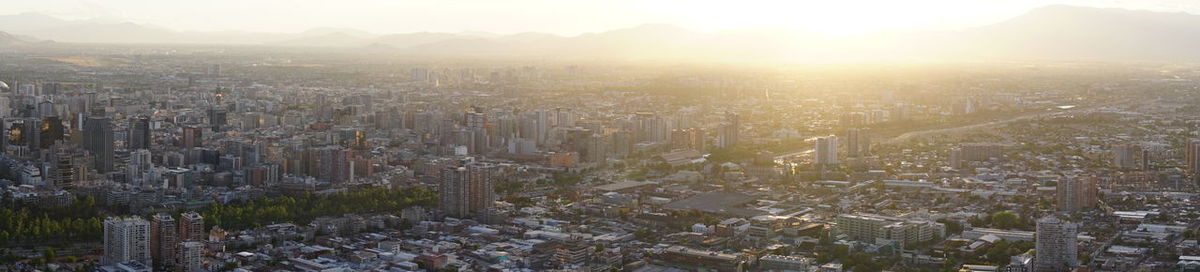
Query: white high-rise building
x,y
126,239
826,151
1055,245
189,256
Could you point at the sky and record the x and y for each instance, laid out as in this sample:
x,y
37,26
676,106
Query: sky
x,y
563,17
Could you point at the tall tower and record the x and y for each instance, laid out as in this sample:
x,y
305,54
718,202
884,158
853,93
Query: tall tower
x,y
1076,193
1192,156
467,190
139,133
858,142
98,139
1055,245
825,152
164,237
191,227
126,239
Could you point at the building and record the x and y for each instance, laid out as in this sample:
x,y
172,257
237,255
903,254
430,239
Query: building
x,y
826,152
858,142
1077,193
191,227
164,236
467,190
139,133
688,258
126,240
969,152
98,140
773,262
192,137
871,228
1055,245
189,256
1123,156
1192,156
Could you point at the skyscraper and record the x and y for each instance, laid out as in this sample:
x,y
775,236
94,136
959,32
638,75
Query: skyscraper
x,y
1192,156
164,237
1055,245
1076,193
139,133
825,152
126,239
192,137
858,142
191,227
98,139
467,190
218,119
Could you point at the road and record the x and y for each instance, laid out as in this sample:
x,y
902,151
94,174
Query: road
x,y
931,132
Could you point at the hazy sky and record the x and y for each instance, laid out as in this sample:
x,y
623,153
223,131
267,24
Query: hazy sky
x,y
566,17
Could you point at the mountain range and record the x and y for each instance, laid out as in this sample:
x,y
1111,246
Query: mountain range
x,y
1049,33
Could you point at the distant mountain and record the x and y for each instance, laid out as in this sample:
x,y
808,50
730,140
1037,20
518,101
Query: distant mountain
x,y
9,39
1068,32
1048,33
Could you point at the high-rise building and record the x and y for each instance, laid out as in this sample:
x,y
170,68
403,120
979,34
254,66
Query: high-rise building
x,y
139,133
189,254
126,240
1077,193
467,190
825,152
191,227
164,236
218,119
858,142
139,164
98,139
1055,245
1192,156
1123,156
192,137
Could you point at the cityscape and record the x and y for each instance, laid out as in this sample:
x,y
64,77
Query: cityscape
x,y
1058,138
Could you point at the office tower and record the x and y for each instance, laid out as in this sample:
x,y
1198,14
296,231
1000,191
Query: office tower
x,y
1192,156
189,254
139,163
1123,156
218,119
1055,245
51,131
192,137
164,236
191,227
858,142
139,133
466,190
98,139
1077,193
826,151
125,240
